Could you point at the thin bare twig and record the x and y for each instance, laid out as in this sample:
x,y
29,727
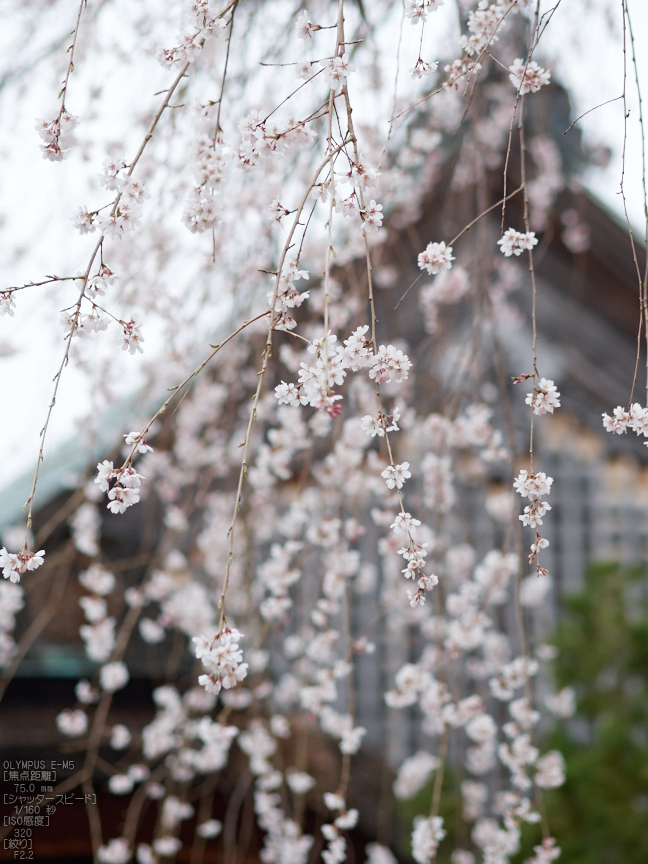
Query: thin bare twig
x,y
585,113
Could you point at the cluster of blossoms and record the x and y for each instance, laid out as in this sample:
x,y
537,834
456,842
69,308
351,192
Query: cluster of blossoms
x,y
11,601
426,836
534,487
126,213
421,68
388,364
81,325
635,418
173,811
381,424
288,297
372,217
515,242
208,162
98,635
418,684
125,492
132,337
396,475
261,140
57,135
413,774
304,28
316,382
544,397
528,77
545,852
191,44
98,284
7,304
414,553
137,442
484,22
222,658
359,175
418,10
16,564
337,70
436,257
336,848
284,839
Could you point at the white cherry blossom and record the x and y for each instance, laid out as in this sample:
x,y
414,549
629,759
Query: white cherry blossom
x,y
435,258
515,242
396,475
528,77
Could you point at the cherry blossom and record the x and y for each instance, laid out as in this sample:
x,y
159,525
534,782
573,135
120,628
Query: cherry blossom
x,y
299,782
372,217
550,770
210,828
7,304
422,68
533,513
414,773
528,77
120,737
11,602
97,579
137,440
117,851
15,565
222,658
336,70
84,221
563,703
382,424
113,676
546,852
532,486
405,523
151,631
396,475
277,210
303,27
436,257
121,784
132,337
635,418
514,242
418,10
72,723
99,638
544,398
121,498
389,364
57,135
426,836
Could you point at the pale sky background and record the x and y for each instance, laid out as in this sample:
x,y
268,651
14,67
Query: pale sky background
x,y
582,47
